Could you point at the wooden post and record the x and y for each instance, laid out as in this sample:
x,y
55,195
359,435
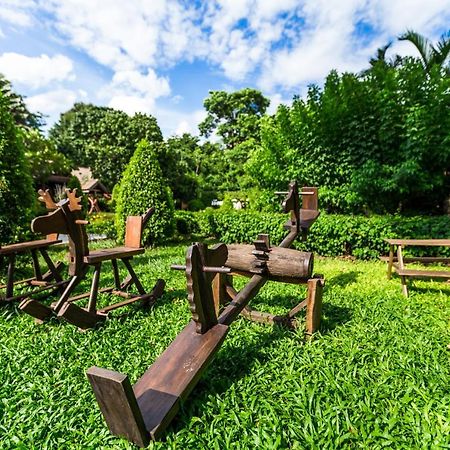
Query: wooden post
x,y
401,266
313,305
92,305
391,261
219,291
36,266
118,405
10,280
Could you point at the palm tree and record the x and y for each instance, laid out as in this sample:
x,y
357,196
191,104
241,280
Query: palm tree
x,y
431,55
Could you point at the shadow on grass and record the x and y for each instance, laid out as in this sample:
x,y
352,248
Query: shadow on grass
x,y
333,316
343,279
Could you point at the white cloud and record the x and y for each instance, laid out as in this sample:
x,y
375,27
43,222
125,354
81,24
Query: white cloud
x,y
36,71
132,91
279,46
17,12
52,102
173,122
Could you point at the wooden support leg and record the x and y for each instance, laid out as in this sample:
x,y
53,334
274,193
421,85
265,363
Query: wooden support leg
x,y
36,266
133,275
314,305
219,289
118,404
10,280
92,305
54,271
116,273
391,261
401,265
76,279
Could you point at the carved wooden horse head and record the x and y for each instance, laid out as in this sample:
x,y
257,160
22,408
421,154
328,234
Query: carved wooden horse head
x,y
65,219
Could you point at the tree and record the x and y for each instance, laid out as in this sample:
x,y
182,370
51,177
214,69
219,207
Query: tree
x,y
142,187
16,105
234,116
375,142
16,190
178,158
431,56
43,158
102,138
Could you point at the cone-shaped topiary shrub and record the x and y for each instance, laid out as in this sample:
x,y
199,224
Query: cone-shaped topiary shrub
x,y
143,186
16,186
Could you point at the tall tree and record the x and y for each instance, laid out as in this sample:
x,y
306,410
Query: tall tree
x,y
16,191
102,138
234,116
16,105
430,55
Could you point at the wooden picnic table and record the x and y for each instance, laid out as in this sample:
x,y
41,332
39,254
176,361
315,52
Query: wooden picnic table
x,y
398,263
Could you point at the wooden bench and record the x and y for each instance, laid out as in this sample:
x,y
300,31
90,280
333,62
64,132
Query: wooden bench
x,y
398,263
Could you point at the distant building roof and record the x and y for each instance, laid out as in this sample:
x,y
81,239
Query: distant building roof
x,y
88,183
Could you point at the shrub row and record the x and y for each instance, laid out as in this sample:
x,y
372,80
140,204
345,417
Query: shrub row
x,y
331,235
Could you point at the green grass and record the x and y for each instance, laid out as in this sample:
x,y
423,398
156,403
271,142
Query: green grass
x,y
375,376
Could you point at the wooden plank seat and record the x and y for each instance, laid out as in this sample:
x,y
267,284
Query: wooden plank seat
x,y
22,247
47,281
157,395
67,219
107,254
398,263
412,273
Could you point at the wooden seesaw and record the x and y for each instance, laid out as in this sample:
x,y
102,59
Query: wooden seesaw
x,y
40,282
67,219
142,412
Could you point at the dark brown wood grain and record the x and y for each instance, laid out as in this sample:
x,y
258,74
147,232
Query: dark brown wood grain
x,y
118,404
282,262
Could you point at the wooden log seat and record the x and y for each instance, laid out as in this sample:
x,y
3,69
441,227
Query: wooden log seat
x,y
283,264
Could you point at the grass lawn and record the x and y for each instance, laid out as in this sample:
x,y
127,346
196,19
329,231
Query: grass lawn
x,y
375,376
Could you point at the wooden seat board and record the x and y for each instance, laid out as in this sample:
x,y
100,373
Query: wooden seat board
x,y
106,254
423,273
173,375
25,246
420,242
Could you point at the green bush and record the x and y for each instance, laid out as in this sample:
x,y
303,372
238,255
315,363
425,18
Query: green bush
x,y
16,186
331,235
142,186
102,223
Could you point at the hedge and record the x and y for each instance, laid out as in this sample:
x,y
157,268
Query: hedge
x,y
331,235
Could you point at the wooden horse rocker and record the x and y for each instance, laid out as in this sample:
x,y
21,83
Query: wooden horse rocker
x,y
67,219
40,282
142,412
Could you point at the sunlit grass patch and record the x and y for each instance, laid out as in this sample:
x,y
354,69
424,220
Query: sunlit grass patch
x,y
375,376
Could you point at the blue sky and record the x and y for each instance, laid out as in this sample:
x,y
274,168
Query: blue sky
x,y
163,56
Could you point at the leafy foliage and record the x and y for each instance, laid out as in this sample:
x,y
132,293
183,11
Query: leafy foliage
x,y
19,111
431,55
142,187
378,141
16,188
43,158
234,116
102,138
